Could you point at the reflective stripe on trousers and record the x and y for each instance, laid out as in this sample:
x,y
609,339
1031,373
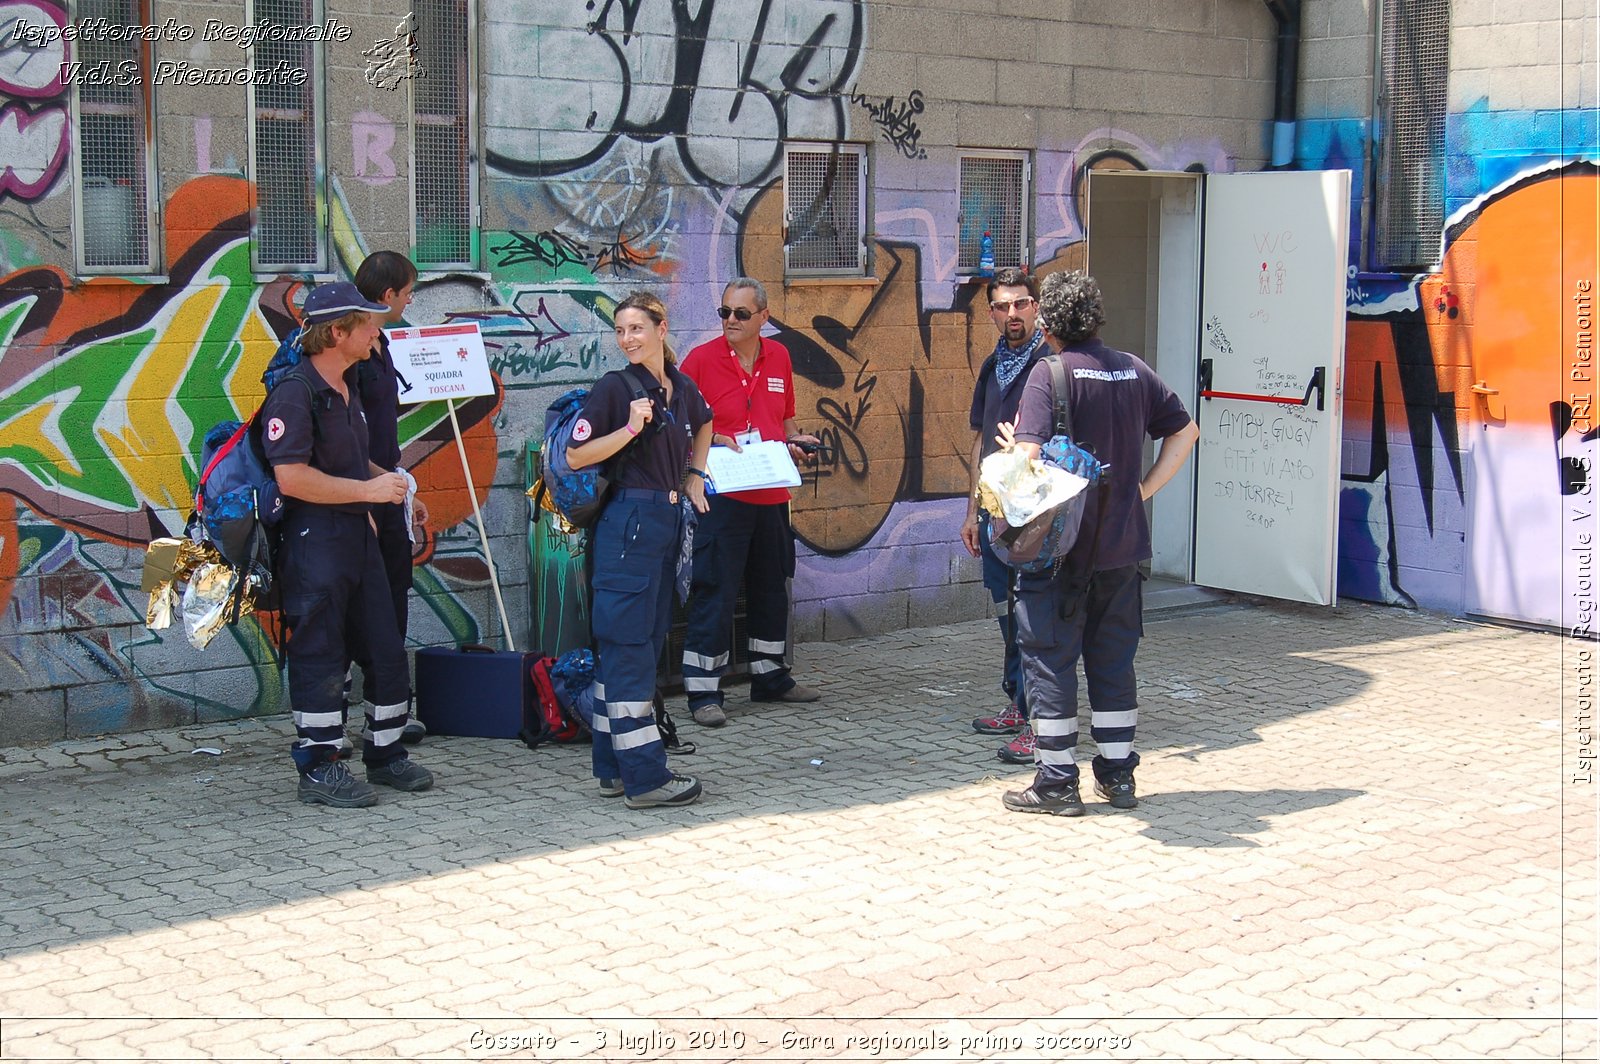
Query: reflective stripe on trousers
x,y
338,607
1056,624
739,543
634,552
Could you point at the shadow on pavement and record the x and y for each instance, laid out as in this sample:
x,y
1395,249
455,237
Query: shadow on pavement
x,y
158,841
1221,819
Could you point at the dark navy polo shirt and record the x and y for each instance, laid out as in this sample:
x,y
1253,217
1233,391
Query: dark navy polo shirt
x,y
661,451
380,399
1117,400
992,405
335,445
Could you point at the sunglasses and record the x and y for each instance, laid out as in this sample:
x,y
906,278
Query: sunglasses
x,y
739,313
1004,305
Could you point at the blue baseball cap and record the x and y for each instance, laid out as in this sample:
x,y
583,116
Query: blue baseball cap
x,y
330,302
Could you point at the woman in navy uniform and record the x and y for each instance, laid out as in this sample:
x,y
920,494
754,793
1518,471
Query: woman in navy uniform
x,y
635,546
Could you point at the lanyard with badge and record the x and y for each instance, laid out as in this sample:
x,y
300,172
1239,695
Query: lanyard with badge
x,y
750,434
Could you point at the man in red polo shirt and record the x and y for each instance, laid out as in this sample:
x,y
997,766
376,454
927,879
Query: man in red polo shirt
x,y
749,383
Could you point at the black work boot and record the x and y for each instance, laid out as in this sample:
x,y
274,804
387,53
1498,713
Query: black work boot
x,y
1059,799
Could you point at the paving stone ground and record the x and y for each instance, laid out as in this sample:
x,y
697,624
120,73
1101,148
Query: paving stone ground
x,y
1360,838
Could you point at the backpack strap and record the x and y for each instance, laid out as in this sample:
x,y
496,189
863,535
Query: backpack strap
x,y
1058,391
1061,425
620,460
311,401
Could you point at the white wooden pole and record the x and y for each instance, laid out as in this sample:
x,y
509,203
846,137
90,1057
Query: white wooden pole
x,y
483,537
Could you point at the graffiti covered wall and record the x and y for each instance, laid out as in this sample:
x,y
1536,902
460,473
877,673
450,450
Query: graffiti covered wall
x,y
1469,426
621,144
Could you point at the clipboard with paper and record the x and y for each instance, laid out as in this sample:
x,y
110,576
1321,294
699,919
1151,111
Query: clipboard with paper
x,y
759,465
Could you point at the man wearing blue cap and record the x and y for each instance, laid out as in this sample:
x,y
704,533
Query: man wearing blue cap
x,y
336,599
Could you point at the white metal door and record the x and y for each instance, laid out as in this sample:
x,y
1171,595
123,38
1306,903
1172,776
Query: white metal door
x,y
1272,313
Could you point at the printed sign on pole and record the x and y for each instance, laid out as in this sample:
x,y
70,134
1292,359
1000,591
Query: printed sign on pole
x,y
440,362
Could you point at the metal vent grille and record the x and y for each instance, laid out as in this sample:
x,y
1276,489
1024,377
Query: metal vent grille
x,y
286,127
114,141
1409,205
826,210
994,199
442,184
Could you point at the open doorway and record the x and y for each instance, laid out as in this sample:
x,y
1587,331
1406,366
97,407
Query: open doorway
x,y
1144,250
1232,287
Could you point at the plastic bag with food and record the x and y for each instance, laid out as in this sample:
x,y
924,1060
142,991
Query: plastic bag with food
x,y
1019,488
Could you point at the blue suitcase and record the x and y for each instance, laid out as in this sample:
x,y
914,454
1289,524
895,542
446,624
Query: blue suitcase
x,y
474,690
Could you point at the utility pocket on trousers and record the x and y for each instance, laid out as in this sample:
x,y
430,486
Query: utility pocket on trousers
x,y
299,608
624,607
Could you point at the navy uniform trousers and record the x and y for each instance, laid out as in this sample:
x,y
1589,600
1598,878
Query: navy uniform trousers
x,y
394,543
739,542
997,578
634,551
1059,621
338,607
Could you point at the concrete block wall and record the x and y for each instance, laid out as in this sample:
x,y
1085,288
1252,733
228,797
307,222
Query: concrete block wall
x,y
618,147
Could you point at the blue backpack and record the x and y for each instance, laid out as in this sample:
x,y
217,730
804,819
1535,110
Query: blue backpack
x,y
284,359
1044,541
574,496
237,504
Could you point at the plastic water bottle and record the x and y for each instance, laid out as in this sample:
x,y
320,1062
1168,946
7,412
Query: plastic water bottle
x,y
986,255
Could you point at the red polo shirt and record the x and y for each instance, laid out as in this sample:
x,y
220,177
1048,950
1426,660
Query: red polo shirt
x,y
762,400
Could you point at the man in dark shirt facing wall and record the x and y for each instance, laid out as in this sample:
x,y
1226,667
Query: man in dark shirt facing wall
x,y
1092,605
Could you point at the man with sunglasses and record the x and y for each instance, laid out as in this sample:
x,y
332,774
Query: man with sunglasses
x,y
1013,298
745,535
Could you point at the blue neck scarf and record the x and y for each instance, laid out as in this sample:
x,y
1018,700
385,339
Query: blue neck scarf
x,y
1009,361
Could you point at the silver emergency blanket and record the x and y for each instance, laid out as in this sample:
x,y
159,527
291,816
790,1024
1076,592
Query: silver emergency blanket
x,y
205,602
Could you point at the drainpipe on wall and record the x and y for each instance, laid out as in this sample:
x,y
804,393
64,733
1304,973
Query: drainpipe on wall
x,y
1287,12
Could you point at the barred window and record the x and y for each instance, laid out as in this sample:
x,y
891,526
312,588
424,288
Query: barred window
x,y
443,183
1408,202
288,142
994,200
114,198
825,209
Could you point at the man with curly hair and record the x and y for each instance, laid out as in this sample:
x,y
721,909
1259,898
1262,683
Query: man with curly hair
x,y
1092,606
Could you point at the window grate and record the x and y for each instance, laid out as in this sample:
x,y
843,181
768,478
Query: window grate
x,y
826,209
114,142
1409,200
285,138
442,179
994,199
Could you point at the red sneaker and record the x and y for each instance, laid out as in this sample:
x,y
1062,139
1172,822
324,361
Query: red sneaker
x,y
1018,751
1001,724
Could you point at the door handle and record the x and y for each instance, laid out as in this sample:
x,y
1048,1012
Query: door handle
x,y
1483,391
1318,384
